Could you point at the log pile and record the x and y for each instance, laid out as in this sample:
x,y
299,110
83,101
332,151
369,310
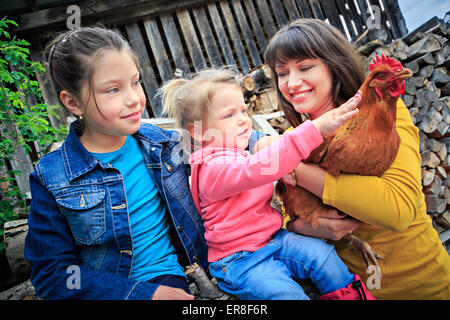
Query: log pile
x,y
427,95
261,98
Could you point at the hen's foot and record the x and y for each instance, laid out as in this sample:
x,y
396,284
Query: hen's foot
x,y
369,254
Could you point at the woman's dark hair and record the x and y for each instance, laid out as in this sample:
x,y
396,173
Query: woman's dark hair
x,y
316,39
72,55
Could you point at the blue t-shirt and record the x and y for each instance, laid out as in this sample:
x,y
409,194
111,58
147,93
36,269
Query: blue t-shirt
x,y
153,253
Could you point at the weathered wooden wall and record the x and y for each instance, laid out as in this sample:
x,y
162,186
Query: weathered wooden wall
x,y
236,33
191,35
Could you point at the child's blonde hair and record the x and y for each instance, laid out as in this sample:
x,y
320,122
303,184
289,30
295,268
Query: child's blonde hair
x,y
189,100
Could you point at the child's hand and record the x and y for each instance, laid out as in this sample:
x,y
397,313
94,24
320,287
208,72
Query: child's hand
x,y
289,179
264,142
332,120
169,293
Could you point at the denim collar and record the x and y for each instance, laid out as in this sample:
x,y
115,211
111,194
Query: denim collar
x,y
78,160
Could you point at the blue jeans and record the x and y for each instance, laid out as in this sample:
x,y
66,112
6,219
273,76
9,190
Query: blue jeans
x,y
268,272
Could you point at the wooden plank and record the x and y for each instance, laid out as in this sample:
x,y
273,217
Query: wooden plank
x,y
392,6
257,29
377,10
21,160
305,11
363,9
392,21
175,46
280,16
356,17
207,37
346,15
316,9
190,37
291,9
246,33
222,36
147,74
260,123
332,14
266,16
235,38
158,49
48,90
164,123
113,11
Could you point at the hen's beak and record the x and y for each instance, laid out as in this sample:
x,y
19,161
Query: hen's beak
x,y
405,73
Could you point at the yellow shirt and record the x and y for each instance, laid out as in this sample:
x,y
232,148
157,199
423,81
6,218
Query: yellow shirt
x,y
415,265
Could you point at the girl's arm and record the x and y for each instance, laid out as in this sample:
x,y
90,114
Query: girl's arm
x,y
227,174
390,201
57,272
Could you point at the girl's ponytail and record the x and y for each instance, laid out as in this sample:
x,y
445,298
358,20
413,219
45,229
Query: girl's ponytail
x,y
188,101
168,94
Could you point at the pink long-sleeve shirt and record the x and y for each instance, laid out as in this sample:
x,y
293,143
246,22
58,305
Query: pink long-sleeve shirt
x,y
232,190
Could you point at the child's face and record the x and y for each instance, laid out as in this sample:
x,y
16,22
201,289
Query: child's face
x,y
307,85
118,94
229,125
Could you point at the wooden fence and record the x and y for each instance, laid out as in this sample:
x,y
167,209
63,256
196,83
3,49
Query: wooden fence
x,y
181,37
236,32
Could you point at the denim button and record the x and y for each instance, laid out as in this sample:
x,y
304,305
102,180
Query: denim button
x,y
180,228
128,252
153,149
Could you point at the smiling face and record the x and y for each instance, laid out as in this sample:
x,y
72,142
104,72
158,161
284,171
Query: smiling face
x,y
229,124
307,85
114,107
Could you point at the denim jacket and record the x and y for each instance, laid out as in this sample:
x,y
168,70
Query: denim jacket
x,y
79,240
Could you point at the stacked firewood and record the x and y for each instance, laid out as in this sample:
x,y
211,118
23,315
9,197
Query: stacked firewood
x,y
427,54
261,98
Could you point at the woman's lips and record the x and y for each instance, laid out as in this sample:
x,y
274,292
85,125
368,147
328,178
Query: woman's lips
x,y
300,96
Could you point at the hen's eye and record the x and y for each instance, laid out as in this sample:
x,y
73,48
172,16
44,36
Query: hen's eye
x,y
381,76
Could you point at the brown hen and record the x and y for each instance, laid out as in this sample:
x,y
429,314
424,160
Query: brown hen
x,y
366,145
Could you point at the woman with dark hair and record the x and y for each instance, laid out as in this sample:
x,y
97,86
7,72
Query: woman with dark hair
x,y
315,70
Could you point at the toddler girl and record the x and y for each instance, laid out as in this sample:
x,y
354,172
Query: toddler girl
x,y
250,255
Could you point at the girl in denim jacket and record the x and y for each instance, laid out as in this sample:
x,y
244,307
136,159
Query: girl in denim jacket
x,y
111,215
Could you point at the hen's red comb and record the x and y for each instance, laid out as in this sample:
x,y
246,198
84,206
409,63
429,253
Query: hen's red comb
x,y
377,61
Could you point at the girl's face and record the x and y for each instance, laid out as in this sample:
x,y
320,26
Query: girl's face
x,y
229,125
307,85
120,99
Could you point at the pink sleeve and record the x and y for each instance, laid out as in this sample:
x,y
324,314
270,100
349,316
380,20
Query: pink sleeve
x,y
229,175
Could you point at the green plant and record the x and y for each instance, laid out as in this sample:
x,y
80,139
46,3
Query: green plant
x,y
22,123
